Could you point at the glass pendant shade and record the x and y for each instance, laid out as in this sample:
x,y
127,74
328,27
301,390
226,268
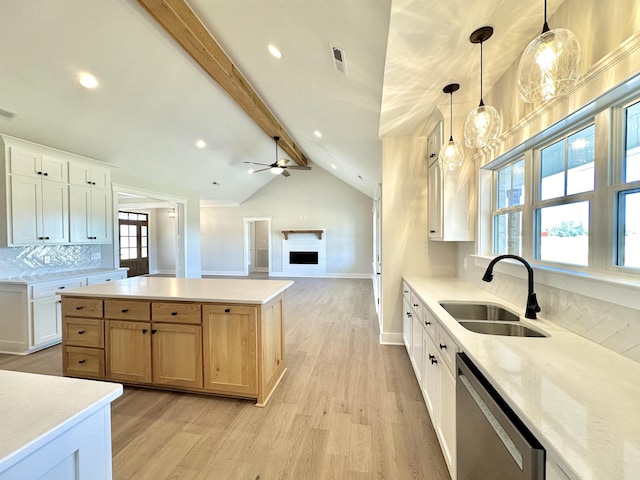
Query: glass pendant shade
x,y
451,156
550,65
481,127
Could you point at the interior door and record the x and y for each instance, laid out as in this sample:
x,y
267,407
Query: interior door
x,y
134,242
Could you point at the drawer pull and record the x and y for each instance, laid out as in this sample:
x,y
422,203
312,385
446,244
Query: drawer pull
x,y
81,332
443,347
108,279
60,288
174,313
227,310
125,310
144,330
153,332
81,361
79,308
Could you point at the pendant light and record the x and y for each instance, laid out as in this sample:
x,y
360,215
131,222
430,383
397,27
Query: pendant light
x,y
276,169
483,123
550,65
451,153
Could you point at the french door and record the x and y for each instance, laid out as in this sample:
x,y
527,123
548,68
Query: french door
x,y
134,242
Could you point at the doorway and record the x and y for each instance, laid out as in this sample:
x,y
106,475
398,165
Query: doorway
x,y
257,251
133,235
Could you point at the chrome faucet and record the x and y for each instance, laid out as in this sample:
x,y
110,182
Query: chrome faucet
x,y
532,301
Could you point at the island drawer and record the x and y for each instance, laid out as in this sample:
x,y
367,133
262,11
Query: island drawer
x,y
42,290
171,312
83,362
82,307
83,332
127,309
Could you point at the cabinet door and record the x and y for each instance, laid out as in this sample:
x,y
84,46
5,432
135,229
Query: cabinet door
x,y
55,212
47,320
447,423
177,354
24,162
417,354
100,215
26,204
55,169
435,198
128,351
407,325
430,385
230,349
272,344
80,208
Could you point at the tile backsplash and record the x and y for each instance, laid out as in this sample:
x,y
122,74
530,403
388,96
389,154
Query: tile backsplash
x,y
608,324
44,259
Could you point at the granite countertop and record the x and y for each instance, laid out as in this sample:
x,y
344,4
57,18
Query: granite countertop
x,y
186,289
35,407
581,400
27,279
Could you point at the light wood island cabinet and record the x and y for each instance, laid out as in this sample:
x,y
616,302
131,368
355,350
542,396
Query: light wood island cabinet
x,y
179,342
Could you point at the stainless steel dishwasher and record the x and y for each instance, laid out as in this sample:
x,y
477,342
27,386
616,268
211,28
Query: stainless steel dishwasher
x,y
492,442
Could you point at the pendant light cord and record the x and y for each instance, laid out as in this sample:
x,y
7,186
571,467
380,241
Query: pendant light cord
x,y
451,116
481,100
545,27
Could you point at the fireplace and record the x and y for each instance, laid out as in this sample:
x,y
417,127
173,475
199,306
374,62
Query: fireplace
x,y
303,258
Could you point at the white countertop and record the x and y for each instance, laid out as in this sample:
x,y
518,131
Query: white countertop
x,y
28,279
33,408
581,400
186,289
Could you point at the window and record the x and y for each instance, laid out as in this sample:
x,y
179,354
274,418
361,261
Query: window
x,y
567,169
507,218
632,144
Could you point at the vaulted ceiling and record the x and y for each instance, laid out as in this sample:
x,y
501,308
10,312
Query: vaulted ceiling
x,y
153,101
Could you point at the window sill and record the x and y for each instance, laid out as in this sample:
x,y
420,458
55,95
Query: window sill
x,y
619,289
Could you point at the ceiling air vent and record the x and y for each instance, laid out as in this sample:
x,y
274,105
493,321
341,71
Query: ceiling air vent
x,y
339,60
6,113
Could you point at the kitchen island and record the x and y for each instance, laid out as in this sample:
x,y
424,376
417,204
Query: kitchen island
x,y
55,428
211,336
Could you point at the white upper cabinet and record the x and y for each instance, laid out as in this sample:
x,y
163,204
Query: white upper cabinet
x,y
450,216
32,164
89,175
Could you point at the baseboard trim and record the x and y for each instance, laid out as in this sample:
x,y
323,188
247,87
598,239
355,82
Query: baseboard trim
x,y
387,338
224,274
322,275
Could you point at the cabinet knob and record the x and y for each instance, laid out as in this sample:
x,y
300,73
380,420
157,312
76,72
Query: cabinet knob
x,y
79,308
81,361
144,330
227,310
125,310
153,332
81,332
443,347
174,313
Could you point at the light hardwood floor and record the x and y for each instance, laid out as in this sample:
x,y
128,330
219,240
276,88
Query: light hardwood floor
x,y
347,408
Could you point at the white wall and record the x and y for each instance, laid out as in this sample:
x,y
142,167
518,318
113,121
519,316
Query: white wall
x,y
601,31
312,199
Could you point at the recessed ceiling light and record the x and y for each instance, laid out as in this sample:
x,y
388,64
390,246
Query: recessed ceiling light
x,y
87,80
273,50
318,133
333,166
201,144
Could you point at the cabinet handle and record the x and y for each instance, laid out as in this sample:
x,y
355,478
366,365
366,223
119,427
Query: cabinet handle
x,y
174,313
227,310
93,183
415,304
443,347
432,155
153,332
434,361
432,231
81,361
39,173
79,308
125,310
60,288
405,291
108,280
45,174
144,330
46,238
81,332
427,323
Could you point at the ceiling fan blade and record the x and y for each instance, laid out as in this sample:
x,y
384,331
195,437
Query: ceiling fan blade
x,y
285,173
298,167
261,170
255,163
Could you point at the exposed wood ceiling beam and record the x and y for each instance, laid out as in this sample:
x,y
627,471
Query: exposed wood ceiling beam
x,y
179,21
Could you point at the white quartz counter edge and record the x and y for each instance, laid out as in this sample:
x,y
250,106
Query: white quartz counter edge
x,y
581,400
210,290
36,408
49,277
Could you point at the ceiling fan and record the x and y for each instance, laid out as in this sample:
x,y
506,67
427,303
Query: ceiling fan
x,y
279,166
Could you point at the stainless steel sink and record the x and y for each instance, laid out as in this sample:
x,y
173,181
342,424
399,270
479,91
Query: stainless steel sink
x,y
479,311
505,329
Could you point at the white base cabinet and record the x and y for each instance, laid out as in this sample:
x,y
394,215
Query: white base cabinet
x,y
32,312
433,359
